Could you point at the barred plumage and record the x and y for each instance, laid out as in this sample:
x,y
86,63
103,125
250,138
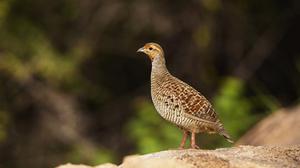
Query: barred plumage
x,y
178,102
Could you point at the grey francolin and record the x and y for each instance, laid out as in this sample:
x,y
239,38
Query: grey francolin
x,y
178,102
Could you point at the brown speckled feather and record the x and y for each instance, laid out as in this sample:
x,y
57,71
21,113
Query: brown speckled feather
x,y
183,101
193,102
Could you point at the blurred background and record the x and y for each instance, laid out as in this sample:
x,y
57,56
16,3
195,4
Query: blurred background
x,y
73,88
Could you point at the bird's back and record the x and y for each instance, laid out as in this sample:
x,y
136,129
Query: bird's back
x,y
181,104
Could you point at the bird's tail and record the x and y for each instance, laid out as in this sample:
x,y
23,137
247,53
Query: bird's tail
x,y
224,133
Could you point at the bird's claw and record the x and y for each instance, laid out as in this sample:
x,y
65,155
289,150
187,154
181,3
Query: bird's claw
x,y
180,147
194,146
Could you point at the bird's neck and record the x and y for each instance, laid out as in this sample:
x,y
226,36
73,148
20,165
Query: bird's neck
x,y
159,66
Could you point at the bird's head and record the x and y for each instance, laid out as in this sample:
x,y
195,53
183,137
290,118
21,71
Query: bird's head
x,y
152,50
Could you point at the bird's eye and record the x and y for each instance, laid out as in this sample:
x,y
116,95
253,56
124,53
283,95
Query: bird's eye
x,y
150,48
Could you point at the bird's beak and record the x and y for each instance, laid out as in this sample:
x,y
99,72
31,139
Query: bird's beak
x,y
140,49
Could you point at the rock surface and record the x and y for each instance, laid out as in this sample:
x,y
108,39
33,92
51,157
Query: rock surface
x,y
236,157
280,128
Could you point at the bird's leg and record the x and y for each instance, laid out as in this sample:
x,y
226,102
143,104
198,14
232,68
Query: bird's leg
x,y
185,135
193,141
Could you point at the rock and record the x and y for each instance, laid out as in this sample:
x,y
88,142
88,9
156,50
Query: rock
x,y
151,162
235,157
106,165
69,165
280,128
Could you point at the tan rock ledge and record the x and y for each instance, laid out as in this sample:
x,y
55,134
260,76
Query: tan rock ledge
x,y
235,157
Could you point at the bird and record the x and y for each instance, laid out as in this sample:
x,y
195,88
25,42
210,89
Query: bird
x,y
178,102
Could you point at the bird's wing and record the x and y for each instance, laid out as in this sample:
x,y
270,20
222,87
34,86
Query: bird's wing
x,y
193,103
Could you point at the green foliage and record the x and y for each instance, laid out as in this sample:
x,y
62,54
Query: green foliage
x,y
264,99
37,56
93,156
4,7
234,108
212,5
150,132
203,36
4,120
103,156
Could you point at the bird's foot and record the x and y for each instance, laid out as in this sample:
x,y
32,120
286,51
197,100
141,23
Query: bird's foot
x,y
180,147
194,146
